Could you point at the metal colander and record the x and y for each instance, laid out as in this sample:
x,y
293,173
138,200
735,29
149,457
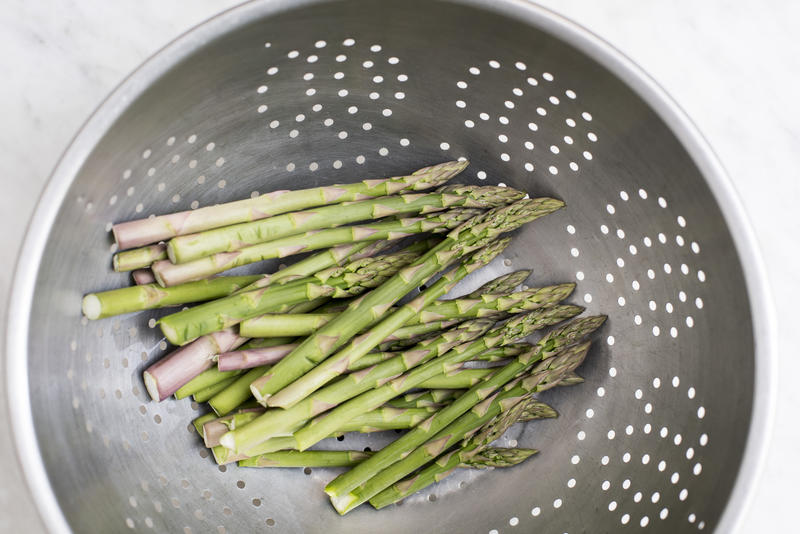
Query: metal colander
x,y
665,434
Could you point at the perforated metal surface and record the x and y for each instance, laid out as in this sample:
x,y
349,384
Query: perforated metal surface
x,y
269,97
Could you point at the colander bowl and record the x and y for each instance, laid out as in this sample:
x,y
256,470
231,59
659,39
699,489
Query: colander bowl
x,y
668,430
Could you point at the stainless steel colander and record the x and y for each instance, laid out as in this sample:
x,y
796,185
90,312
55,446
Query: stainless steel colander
x,y
666,433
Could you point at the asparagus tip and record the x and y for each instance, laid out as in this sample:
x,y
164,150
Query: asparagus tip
x,y
91,306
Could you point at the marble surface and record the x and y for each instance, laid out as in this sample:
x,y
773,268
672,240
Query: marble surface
x,y
733,66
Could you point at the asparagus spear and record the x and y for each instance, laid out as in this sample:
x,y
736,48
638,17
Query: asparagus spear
x,y
516,328
473,449
207,378
361,345
146,231
492,457
351,279
473,234
457,379
266,342
206,393
249,358
495,354
164,377
150,296
139,258
339,488
449,425
229,238
202,420
142,277
333,257
505,283
493,304
305,459
421,399
433,318
213,375
276,422
236,393
386,418
168,273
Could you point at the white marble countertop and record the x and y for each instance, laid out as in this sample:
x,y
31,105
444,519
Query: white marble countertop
x,y
733,66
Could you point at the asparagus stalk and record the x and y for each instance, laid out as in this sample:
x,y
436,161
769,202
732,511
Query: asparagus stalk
x,y
361,345
277,422
230,238
473,234
373,358
270,325
168,273
202,420
421,399
142,277
145,231
249,358
493,457
474,450
150,296
139,258
333,257
505,283
213,429
351,279
493,304
550,344
207,378
507,351
388,418
266,342
167,375
457,379
384,418
206,393
213,375
433,318
236,393
460,421
516,328
305,459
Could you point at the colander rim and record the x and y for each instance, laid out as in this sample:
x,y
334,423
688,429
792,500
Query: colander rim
x,y
114,105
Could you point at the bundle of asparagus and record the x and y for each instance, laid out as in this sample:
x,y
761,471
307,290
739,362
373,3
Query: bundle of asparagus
x,y
337,343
